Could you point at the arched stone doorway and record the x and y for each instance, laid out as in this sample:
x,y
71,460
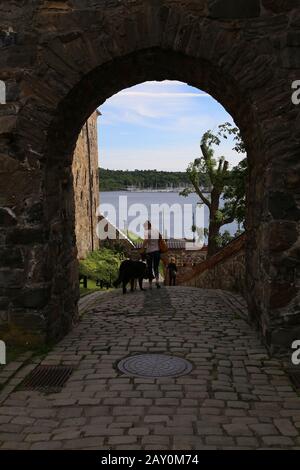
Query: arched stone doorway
x,y
64,59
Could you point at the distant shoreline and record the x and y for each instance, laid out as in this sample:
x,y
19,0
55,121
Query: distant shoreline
x,y
176,191
169,191
144,180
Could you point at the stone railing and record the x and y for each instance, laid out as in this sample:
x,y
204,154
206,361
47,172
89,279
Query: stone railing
x,y
225,270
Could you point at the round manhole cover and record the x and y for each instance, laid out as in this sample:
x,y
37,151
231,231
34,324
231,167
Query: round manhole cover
x,y
154,365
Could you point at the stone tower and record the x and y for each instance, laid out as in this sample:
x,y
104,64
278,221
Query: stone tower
x,y
86,187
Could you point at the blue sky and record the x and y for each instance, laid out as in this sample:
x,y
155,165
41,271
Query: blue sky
x,y
158,125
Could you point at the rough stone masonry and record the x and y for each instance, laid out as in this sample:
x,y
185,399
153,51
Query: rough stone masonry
x,y
86,187
60,60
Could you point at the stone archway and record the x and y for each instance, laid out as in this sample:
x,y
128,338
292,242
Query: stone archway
x,y
68,58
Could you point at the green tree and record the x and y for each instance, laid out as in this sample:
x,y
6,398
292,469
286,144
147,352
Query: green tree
x,y
224,238
221,181
117,180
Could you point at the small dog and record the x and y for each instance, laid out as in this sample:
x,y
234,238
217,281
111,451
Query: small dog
x,y
129,272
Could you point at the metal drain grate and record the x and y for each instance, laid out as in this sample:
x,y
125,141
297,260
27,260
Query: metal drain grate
x,y
154,366
48,379
294,376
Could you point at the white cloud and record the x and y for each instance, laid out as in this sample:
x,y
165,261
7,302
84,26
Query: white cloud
x,y
146,118
149,100
158,110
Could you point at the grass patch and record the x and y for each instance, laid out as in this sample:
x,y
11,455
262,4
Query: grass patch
x,y
91,287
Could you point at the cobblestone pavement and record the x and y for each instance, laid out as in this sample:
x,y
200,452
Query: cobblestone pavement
x,y
235,397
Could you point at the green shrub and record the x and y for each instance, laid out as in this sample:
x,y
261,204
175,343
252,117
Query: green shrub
x,y
102,264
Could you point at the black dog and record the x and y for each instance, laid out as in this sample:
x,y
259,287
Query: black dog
x,y
129,271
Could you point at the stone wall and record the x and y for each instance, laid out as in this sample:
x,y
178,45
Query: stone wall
x,y
86,198
60,60
186,257
185,261
226,270
86,187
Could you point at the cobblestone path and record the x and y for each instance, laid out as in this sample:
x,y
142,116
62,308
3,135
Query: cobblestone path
x,y
235,397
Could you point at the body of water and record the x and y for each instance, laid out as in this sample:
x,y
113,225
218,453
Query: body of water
x,y
169,212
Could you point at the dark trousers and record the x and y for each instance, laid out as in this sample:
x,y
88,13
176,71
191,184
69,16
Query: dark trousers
x,y
172,280
153,260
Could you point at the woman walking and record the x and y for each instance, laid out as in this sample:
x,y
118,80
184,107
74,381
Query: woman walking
x,y
151,246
